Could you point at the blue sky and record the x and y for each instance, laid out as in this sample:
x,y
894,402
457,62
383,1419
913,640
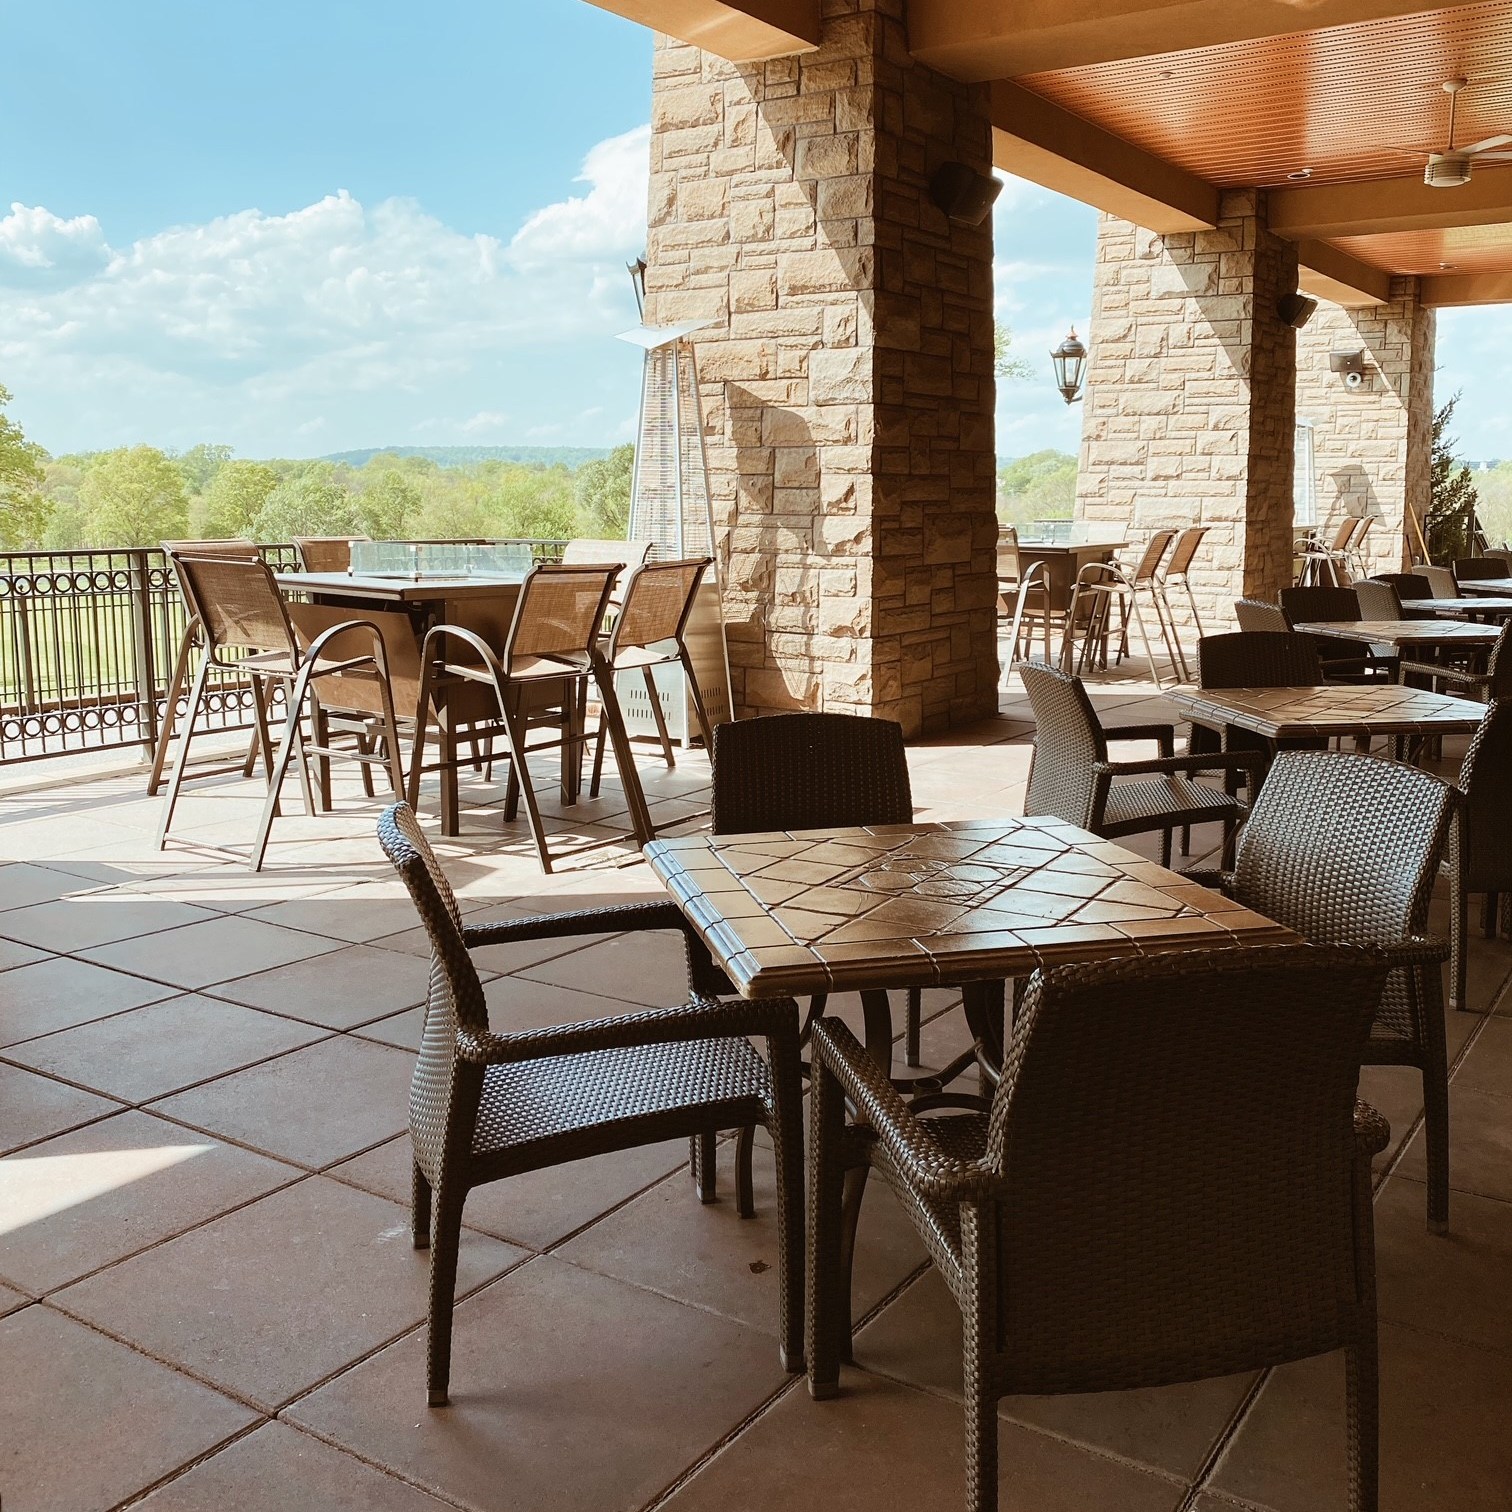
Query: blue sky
x,y
299,228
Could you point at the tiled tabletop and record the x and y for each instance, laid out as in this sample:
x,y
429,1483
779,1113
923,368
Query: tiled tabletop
x,y
1487,587
922,905
1294,713
1482,604
1405,632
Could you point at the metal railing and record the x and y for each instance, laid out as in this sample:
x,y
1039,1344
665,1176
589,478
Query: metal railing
x,y
87,645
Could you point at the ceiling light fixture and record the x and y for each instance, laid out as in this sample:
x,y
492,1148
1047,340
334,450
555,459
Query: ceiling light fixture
x,y
1300,173
1447,267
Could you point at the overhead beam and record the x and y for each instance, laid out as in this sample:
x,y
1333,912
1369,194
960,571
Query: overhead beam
x,y
742,31
1036,140
999,39
1447,289
1327,273
1382,205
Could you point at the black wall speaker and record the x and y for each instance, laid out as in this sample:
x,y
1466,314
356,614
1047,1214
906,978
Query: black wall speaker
x,y
1296,310
962,193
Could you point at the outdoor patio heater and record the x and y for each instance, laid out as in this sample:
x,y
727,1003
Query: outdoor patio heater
x,y
670,507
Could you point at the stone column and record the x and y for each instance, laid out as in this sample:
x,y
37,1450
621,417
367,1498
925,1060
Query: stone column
x,y
848,387
1190,398
1372,445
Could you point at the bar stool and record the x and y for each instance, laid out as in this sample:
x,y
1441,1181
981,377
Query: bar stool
x,y
1108,581
1023,594
1177,572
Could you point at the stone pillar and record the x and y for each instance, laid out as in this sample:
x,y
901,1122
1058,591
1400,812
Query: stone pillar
x,y
1190,397
848,386
1372,445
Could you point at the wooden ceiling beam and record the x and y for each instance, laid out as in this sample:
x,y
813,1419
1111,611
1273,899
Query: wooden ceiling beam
x,y
743,31
1325,211
1000,39
1447,289
1328,273
1038,141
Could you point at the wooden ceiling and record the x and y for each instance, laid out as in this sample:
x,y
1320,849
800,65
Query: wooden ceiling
x,y
1452,249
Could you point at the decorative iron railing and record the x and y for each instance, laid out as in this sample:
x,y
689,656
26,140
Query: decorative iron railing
x,y
87,646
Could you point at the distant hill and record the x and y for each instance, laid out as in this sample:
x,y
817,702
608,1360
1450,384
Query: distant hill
x,y
467,456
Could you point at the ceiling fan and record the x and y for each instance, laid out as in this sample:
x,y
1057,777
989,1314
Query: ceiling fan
x,y
1452,167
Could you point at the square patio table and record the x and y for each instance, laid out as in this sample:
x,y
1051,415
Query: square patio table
x,y
965,904
1399,633
1371,709
1487,587
1463,608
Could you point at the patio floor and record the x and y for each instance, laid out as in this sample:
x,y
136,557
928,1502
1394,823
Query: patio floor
x,y
208,1298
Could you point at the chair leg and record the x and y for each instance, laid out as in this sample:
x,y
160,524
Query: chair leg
x,y
745,1186
420,1207
598,758
828,1313
1362,1409
1488,915
662,733
854,1190
1165,848
1435,1099
170,709
514,730
786,1129
446,1236
914,1014
979,1331
182,760
701,1164
288,746
695,692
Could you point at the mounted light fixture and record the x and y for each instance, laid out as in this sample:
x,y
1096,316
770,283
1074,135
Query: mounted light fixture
x,y
1069,360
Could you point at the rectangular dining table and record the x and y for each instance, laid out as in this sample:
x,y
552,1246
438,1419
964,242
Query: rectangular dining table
x,y
964,904
1336,710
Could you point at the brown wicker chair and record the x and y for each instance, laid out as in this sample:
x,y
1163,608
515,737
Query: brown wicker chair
x,y
1071,777
1322,605
1478,569
1173,1183
1344,849
248,631
1257,614
1440,580
1483,861
1378,600
484,1106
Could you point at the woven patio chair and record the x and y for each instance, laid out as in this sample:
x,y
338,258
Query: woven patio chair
x,y
650,631
1441,580
190,641
247,629
1172,1184
1177,574
326,553
1344,849
484,1106
540,676
1257,614
1378,600
1483,863
1477,569
1071,777
1322,605
1408,585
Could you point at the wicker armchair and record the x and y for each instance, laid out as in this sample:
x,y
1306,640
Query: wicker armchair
x,y
1484,849
484,1106
1259,614
1440,580
1333,605
1378,600
1173,1183
814,771
1344,849
1478,569
1071,777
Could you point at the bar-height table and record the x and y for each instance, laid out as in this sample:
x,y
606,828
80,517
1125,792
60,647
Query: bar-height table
x,y
965,904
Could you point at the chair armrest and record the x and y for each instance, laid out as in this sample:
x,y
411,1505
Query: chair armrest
x,y
1415,950
1371,1132
1219,881
1252,762
657,914
905,1136
703,1018
1163,734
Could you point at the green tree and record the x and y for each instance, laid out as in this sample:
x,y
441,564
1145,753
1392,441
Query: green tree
x,y
603,493
388,503
23,506
1450,526
201,463
311,502
1041,486
235,497
1008,367
134,496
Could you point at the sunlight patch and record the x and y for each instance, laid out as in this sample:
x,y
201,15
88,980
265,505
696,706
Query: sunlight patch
x,y
34,1187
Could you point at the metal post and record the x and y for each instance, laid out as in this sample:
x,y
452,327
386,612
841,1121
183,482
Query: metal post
x,y
139,579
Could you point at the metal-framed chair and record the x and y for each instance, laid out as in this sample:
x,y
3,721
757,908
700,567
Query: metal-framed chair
x,y
551,653
1071,777
1108,582
485,1106
1344,849
247,630
1172,1183
1178,573
1355,550
326,553
1328,566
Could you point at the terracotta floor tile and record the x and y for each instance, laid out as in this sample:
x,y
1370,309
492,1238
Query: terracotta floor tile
x,y
1480,1145
277,1469
535,1209
344,987
274,1297
96,918
61,992
128,1421
711,1257
22,883
882,1445
217,950
314,1106
35,1107
648,968
917,1339
87,1198
1444,1445
152,1051
570,1393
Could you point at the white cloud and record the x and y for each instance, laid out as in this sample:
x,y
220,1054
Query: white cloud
x,y
245,327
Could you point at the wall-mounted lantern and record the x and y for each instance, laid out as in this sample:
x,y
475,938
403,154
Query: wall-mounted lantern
x,y
1069,360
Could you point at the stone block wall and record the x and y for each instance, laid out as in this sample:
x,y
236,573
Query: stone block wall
x,y
848,387
1190,398
1372,445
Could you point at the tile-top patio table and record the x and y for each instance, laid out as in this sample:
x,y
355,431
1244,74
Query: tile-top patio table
x,y
963,904
1420,632
1283,714
1463,608
1487,587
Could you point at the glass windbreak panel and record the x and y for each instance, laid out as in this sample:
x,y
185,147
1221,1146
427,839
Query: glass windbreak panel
x,y
1052,532
509,560
1304,479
